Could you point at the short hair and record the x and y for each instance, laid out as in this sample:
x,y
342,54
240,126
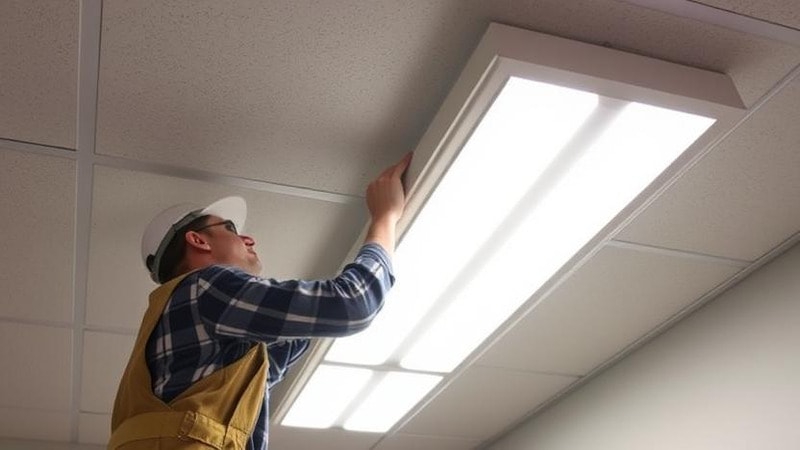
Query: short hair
x,y
176,250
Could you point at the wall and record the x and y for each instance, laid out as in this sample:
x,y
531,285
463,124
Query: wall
x,y
727,377
14,444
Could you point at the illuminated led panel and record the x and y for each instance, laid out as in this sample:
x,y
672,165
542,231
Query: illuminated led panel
x,y
540,145
328,392
391,399
553,222
522,132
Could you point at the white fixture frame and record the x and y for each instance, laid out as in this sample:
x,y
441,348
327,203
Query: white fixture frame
x,y
504,52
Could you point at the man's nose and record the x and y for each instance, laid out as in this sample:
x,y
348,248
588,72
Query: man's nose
x,y
248,241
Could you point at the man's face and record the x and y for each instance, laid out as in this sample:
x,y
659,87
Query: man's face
x,y
230,248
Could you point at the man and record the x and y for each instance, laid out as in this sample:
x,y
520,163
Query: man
x,y
216,336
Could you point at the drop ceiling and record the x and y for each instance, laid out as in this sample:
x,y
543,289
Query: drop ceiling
x,y
110,111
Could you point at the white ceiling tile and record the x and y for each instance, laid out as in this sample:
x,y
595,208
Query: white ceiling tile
x,y
616,297
94,428
288,438
482,401
324,95
105,356
734,202
784,12
38,236
401,441
19,423
39,71
755,64
36,370
295,237
302,93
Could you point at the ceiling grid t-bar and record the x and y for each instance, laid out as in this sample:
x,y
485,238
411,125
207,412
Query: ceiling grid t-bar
x,y
88,71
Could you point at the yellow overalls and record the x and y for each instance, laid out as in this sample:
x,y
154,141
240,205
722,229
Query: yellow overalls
x,y
216,412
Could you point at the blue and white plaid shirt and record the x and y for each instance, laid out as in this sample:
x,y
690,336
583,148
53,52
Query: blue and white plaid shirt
x,y
215,315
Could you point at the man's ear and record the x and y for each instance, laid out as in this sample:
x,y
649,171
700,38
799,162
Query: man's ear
x,y
197,240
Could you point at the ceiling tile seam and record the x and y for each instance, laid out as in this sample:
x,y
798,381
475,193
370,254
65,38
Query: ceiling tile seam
x,y
652,334
723,18
35,322
120,331
457,438
34,408
678,253
108,414
93,412
33,147
654,194
182,172
442,436
228,180
90,25
531,372
748,16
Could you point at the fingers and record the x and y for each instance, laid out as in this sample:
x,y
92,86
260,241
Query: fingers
x,y
399,168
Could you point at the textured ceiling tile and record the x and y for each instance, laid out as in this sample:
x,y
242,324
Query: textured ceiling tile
x,y
94,428
295,237
288,438
482,401
38,73
325,94
724,378
31,424
401,441
104,358
784,12
755,64
38,236
39,379
303,93
613,299
740,201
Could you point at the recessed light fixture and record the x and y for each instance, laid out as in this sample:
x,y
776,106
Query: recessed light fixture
x,y
539,147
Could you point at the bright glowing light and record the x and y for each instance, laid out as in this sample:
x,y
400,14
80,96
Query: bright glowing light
x,y
327,393
545,170
525,128
392,398
637,146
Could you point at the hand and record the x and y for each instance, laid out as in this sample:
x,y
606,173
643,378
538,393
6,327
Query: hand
x,y
386,200
386,197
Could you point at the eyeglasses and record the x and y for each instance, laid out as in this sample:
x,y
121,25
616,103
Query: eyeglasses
x,y
229,225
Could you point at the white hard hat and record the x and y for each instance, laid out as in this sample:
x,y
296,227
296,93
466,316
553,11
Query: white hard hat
x,y
163,227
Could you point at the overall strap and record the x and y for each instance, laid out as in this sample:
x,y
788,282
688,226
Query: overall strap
x,y
218,411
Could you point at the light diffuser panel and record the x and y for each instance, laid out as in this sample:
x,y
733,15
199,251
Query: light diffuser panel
x,y
391,399
526,127
640,142
329,391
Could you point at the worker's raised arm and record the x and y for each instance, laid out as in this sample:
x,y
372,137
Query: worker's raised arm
x,y
235,304
386,201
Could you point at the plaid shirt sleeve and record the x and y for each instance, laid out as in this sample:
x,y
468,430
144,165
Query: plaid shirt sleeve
x,y
233,303
282,355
